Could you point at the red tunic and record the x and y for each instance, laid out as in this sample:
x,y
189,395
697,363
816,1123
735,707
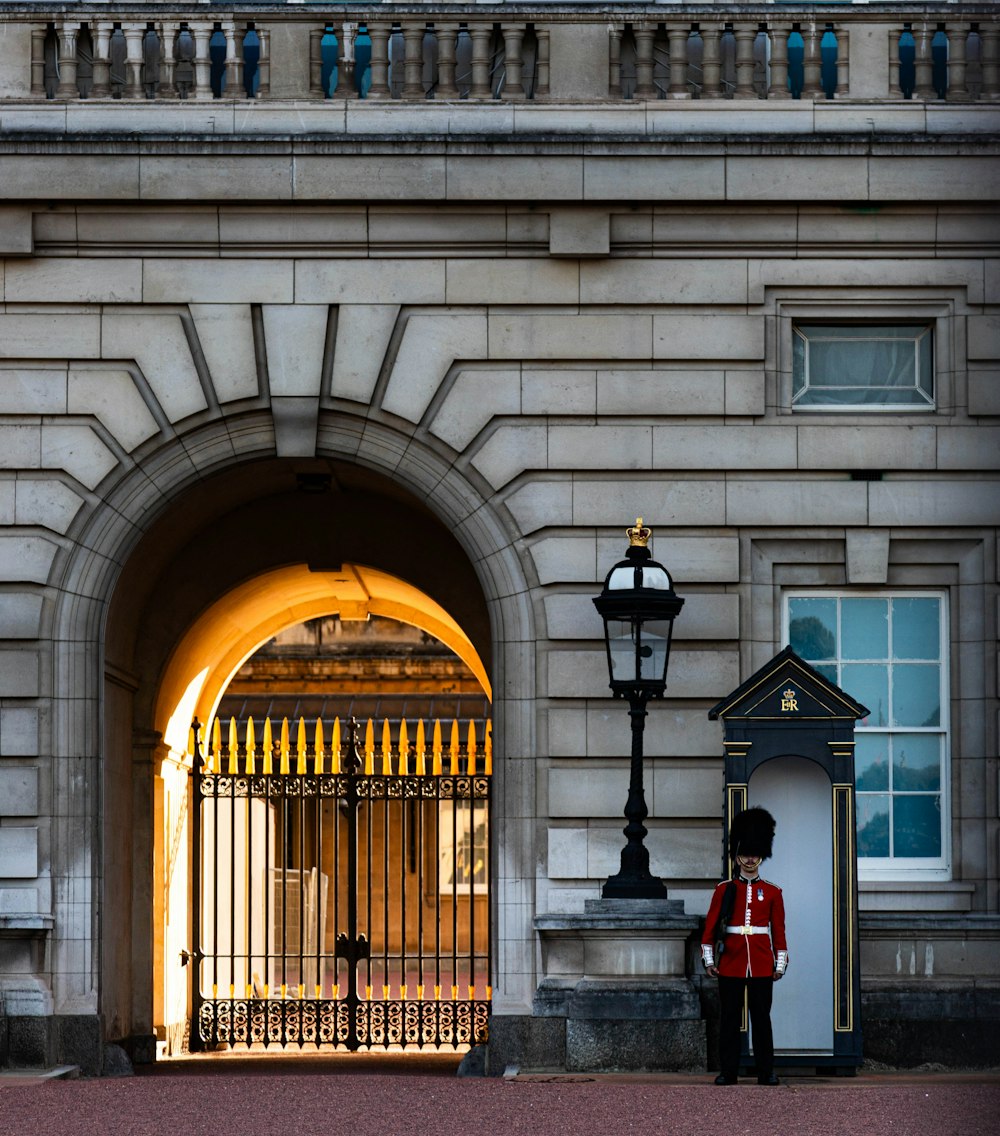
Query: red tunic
x,y
758,904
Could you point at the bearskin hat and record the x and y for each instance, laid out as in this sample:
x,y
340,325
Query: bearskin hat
x,y
751,833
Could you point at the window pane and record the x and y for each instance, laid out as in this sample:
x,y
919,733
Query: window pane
x,y
916,763
862,364
864,629
916,628
873,824
926,370
869,685
916,694
798,364
812,628
916,828
886,651
871,762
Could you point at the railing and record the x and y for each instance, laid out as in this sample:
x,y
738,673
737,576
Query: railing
x,y
340,893
510,53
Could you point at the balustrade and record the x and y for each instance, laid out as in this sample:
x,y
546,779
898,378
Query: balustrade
x,y
406,56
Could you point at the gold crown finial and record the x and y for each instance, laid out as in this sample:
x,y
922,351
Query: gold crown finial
x,y
638,536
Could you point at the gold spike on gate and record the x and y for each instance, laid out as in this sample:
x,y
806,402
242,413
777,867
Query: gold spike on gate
x,y
404,750
268,747
284,767
454,747
335,747
436,767
233,767
251,749
216,746
369,749
470,748
488,749
386,751
300,748
421,748
318,751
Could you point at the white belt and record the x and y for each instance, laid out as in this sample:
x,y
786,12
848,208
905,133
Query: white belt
x,y
746,930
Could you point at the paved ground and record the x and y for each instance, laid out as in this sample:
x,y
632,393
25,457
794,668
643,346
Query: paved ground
x,y
360,1096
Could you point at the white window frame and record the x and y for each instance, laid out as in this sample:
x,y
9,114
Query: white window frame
x,y
901,868
920,328
937,311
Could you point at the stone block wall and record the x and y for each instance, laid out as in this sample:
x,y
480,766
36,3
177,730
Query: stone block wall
x,y
538,342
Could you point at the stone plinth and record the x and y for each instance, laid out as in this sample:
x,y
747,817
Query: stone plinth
x,y
615,996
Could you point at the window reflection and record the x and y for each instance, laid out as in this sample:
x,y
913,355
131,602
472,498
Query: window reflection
x,y
886,652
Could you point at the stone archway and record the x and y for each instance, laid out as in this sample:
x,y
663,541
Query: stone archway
x,y
196,676
134,587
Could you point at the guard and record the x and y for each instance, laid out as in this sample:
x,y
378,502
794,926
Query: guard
x,y
744,946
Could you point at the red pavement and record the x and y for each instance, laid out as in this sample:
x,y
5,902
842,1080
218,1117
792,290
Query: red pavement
x,y
358,1097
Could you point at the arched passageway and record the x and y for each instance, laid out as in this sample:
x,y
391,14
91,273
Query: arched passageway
x,y
235,558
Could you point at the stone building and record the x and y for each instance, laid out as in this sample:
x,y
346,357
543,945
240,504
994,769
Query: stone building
x,y
408,310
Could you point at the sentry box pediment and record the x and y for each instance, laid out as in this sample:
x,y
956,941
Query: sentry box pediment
x,y
788,707
788,690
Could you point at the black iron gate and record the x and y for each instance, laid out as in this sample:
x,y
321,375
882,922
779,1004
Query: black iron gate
x,y
336,905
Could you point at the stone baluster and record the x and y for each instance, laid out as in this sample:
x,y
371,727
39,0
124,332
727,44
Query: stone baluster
x,y
67,88
958,88
168,36
644,88
924,63
152,55
413,59
100,36
346,88
134,35
316,63
895,90
234,60
202,33
843,62
614,62
38,34
184,53
542,63
745,36
812,87
677,47
264,63
711,63
989,35
778,88
513,39
379,33
481,35
446,36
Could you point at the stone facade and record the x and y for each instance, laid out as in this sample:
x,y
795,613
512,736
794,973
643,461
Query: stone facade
x,y
502,325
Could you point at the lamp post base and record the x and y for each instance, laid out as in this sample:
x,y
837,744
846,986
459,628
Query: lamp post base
x,y
633,887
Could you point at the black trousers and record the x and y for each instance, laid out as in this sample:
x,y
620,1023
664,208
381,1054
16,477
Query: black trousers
x,y
759,993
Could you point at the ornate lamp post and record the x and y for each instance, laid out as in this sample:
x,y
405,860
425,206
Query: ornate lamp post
x,y
638,606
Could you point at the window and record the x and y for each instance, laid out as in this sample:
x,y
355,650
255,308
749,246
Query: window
x,y
861,366
463,848
889,652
